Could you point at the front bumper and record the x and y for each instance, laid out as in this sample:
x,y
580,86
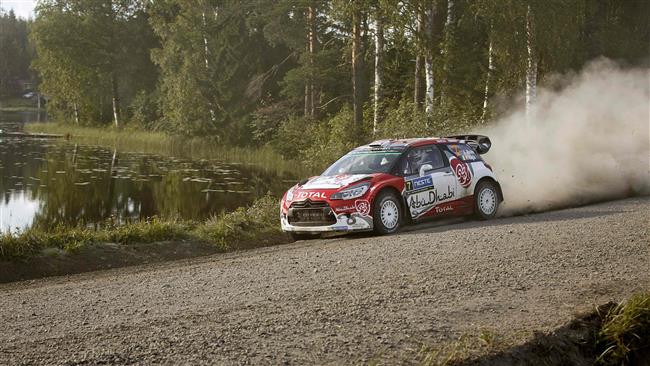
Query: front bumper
x,y
345,222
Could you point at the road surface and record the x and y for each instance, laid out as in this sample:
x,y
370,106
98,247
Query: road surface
x,y
343,300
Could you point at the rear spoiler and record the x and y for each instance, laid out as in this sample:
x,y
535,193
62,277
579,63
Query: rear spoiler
x,y
481,144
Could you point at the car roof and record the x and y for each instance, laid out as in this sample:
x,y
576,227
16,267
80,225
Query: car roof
x,y
403,144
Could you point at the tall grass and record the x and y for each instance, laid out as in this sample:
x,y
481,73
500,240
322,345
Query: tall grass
x,y
625,331
132,140
246,227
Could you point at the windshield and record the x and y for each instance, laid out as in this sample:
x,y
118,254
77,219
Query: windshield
x,y
364,162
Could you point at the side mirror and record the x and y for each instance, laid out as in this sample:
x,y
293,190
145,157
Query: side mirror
x,y
425,168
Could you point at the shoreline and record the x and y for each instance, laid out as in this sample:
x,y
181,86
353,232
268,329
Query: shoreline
x,y
195,148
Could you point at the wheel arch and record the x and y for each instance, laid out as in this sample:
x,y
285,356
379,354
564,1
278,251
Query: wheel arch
x,y
389,188
492,180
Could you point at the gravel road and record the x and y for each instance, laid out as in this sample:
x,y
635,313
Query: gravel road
x,y
342,300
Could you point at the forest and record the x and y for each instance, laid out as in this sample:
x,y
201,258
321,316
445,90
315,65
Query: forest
x,y
311,78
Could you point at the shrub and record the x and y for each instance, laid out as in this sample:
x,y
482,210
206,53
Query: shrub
x,y
625,330
234,229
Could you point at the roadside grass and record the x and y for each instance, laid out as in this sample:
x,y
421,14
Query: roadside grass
x,y
17,105
242,227
612,334
625,331
467,346
246,227
135,140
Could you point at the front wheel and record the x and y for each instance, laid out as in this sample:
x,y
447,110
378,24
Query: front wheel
x,y
386,213
486,200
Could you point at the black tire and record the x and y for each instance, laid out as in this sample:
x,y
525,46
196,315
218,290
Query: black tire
x,y
486,200
392,219
300,236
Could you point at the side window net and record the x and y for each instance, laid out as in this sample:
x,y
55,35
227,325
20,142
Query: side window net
x,y
418,157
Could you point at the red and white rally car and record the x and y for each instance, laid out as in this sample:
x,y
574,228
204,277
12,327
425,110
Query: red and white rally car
x,y
385,184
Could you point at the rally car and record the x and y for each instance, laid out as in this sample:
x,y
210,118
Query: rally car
x,y
389,183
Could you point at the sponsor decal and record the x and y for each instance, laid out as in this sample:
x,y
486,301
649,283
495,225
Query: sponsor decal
x,y
441,209
345,208
462,172
303,195
419,183
429,198
363,207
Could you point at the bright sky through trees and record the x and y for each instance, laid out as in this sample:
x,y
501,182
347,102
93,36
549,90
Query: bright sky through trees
x,y
22,8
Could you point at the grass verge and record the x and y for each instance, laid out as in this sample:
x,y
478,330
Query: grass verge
x,y
163,144
246,227
612,334
18,105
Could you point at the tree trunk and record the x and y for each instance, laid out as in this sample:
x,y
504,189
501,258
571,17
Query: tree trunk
x,y
116,102
379,71
76,113
449,24
310,87
428,61
206,55
312,49
417,84
417,95
357,71
205,41
531,66
488,77
307,97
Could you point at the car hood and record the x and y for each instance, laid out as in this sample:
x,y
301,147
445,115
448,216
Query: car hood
x,y
334,182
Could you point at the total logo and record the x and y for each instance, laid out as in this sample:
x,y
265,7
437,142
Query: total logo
x,y
303,195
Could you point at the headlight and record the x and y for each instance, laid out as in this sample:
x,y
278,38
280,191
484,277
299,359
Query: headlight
x,y
289,196
352,192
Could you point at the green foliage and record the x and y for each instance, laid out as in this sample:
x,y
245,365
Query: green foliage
x,y
317,144
16,54
88,56
244,225
241,72
151,230
329,141
625,331
293,136
144,110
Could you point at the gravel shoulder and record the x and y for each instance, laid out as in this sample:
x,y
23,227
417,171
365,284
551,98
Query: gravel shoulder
x,y
342,300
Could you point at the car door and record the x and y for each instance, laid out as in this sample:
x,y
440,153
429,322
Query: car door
x,y
428,181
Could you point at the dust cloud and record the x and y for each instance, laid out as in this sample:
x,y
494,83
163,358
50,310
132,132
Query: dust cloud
x,y
587,141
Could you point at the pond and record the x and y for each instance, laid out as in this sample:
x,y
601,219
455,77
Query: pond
x,y
50,182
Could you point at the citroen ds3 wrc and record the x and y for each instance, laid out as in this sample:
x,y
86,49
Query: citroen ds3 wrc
x,y
389,183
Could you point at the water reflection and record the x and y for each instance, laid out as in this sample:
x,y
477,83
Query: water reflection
x,y
45,183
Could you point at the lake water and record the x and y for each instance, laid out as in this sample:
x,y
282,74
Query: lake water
x,y
50,182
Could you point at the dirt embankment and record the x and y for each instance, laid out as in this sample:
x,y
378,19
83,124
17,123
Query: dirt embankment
x,y
346,300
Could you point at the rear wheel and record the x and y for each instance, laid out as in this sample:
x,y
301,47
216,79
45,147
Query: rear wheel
x,y
486,200
386,213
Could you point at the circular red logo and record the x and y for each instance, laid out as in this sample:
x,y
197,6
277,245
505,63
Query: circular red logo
x,y
363,207
463,174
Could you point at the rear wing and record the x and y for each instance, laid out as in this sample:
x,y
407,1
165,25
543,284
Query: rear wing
x,y
481,144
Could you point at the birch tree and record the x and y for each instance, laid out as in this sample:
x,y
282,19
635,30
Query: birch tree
x,y
428,58
531,63
379,68
488,75
357,67
446,49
